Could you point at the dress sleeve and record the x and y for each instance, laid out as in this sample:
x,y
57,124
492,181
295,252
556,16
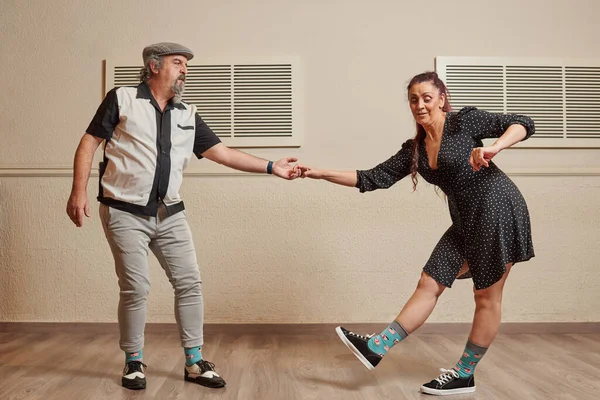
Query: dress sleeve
x,y
481,124
388,172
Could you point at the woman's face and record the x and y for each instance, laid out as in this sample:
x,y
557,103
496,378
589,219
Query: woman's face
x,y
426,103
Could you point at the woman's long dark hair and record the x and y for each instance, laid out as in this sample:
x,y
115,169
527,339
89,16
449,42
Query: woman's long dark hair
x,y
420,136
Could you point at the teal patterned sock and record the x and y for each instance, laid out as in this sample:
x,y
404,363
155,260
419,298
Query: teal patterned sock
x,y
134,356
387,339
192,355
471,356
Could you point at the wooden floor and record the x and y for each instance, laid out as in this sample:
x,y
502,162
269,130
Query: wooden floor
x,y
82,366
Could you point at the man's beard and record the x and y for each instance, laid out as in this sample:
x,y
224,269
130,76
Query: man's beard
x,y
178,88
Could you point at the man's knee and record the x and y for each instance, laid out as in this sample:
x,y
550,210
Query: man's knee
x,y
188,283
134,292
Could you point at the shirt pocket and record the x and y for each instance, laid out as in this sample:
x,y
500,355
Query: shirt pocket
x,y
186,128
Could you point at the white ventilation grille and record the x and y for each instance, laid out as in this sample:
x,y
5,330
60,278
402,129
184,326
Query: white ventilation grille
x,y
537,92
246,105
563,98
209,88
474,84
583,101
263,100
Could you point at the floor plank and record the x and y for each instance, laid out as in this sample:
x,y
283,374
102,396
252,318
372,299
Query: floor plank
x,y
87,365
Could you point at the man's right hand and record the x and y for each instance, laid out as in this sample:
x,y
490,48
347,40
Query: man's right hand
x,y
77,206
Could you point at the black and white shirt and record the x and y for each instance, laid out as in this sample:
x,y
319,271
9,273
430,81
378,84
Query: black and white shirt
x,y
146,149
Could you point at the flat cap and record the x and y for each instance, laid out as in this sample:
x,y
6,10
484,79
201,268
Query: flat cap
x,y
165,49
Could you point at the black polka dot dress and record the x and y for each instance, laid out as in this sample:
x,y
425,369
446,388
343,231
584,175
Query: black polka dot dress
x,y
490,222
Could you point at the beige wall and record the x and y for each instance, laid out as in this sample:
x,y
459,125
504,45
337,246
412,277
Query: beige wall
x,y
275,251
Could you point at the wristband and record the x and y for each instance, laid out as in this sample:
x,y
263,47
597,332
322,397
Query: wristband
x,y
270,167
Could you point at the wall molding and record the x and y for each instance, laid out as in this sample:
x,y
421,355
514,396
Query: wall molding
x,y
443,328
64,171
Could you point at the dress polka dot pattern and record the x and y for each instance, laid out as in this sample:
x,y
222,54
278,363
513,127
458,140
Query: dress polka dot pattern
x,y
490,222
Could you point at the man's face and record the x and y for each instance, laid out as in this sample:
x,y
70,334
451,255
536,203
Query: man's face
x,y
173,73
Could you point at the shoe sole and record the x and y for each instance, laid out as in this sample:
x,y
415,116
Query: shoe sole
x,y
205,384
132,385
447,392
353,349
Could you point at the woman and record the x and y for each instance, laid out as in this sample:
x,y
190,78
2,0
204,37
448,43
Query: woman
x,y
490,223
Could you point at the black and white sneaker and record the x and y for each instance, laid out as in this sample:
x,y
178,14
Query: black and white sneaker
x,y
358,345
449,382
133,375
203,373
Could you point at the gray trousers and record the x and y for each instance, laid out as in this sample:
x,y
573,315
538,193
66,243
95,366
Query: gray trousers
x,y
170,239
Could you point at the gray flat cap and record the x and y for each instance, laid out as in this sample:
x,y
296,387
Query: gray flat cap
x,y
165,49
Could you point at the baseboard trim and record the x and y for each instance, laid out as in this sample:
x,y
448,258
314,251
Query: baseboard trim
x,y
438,328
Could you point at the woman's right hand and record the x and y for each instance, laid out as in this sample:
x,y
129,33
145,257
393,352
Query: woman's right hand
x,y
308,172
344,178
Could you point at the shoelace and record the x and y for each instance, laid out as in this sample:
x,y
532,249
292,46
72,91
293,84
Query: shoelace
x,y
366,337
136,366
207,365
446,376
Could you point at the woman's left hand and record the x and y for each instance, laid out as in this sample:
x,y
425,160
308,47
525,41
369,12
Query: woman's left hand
x,y
481,156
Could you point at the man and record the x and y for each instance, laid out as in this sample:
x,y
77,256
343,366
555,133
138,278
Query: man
x,y
150,136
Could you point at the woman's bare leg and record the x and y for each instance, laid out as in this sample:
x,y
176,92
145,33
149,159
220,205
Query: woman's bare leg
x,y
421,304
